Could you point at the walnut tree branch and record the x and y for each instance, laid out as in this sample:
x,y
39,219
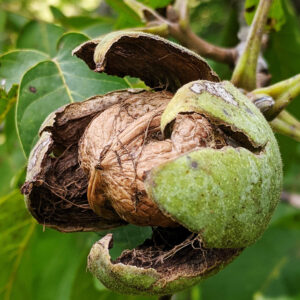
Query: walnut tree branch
x,y
189,39
177,26
245,71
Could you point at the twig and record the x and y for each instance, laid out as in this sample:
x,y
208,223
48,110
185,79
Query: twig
x,y
289,119
177,25
284,128
189,39
244,74
283,93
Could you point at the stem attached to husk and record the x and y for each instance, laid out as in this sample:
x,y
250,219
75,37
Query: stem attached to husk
x,y
244,75
285,116
283,93
284,128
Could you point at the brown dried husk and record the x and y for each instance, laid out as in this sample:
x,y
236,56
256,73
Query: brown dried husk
x,y
56,185
176,252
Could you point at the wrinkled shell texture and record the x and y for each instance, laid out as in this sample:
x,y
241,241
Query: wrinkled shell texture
x,y
124,143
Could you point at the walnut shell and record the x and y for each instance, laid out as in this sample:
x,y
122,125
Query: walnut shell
x,y
121,146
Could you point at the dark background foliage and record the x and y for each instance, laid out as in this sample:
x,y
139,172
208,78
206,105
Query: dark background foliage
x,y
36,41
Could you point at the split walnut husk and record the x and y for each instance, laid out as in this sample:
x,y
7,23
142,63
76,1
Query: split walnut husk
x,y
193,158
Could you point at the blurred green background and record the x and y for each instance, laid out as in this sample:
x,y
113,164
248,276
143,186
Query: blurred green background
x,y
39,263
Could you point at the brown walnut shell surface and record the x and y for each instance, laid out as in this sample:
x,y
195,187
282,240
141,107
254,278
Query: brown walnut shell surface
x,y
122,144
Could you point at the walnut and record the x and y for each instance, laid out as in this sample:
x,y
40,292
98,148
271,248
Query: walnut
x,y
194,158
121,145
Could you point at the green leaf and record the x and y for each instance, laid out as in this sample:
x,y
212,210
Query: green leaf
x,y
276,16
98,29
15,63
15,21
12,148
269,269
156,3
10,163
2,20
127,237
91,26
57,14
127,17
49,265
7,100
16,229
53,83
40,36
11,156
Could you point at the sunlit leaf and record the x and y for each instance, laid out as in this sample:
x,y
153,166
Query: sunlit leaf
x,y
7,100
16,230
15,63
126,16
53,83
40,36
91,26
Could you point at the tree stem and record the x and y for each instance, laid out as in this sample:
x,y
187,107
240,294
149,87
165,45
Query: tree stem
x,y
189,39
244,74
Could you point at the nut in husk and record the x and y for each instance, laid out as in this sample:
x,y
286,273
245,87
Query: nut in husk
x,y
194,158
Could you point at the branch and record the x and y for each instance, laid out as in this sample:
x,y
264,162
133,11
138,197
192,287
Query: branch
x,y
284,128
289,119
244,74
182,9
283,93
189,39
177,22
